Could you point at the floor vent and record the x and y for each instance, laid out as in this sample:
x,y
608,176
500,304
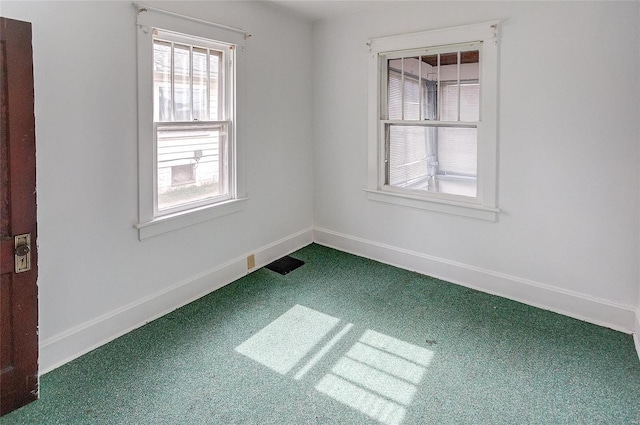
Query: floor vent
x,y
284,265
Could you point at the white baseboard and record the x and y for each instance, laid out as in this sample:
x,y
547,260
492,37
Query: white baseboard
x,y
72,343
66,346
569,303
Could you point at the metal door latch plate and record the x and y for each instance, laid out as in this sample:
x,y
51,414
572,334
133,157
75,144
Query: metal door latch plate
x,y
22,245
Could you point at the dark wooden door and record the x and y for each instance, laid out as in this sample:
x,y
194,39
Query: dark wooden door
x,y
18,291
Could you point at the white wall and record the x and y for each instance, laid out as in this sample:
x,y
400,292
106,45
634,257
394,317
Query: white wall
x,y
96,278
568,234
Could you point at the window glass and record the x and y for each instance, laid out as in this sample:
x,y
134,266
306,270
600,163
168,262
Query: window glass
x,y
409,156
181,83
200,84
194,152
394,92
460,90
457,151
162,81
216,79
411,89
431,93
448,76
191,129
421,156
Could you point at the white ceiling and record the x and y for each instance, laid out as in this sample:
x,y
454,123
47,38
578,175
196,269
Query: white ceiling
x,y
314,10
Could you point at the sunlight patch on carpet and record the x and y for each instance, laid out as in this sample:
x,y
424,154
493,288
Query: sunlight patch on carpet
x,y
288,339
379,375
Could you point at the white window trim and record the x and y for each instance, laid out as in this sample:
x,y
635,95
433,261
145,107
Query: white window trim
x,y
148,18
485,205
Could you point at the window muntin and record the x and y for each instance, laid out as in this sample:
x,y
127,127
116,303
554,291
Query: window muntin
x,y
193,121
431,114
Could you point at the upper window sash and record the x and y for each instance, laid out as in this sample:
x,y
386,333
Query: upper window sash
x,y
458,49
225,53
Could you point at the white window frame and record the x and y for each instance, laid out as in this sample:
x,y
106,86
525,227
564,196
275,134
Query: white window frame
x,y
485,205
150,221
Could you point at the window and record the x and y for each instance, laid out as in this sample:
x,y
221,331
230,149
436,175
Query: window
x,y
189,142
433,120
193,121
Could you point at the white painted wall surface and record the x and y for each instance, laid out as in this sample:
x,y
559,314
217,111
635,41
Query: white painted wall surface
x,y
568,156
96,278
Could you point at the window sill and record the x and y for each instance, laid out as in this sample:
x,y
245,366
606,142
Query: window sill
x,y
181,219
477,212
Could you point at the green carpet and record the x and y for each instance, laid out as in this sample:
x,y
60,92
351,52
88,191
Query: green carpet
x,y
346,340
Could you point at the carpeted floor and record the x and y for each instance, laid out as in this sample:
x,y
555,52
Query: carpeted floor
x,y
345,340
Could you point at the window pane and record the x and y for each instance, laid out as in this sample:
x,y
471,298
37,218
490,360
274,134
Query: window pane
x,y
406,89
413,92
457,151
411,89
200,84
189,164
449,86
161,81
182,81
395,89
215,85
430,75
409,151
449,101
469,87
434,159
469,101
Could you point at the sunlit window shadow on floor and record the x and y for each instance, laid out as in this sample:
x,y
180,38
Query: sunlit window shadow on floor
x,y
288,339
378,376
